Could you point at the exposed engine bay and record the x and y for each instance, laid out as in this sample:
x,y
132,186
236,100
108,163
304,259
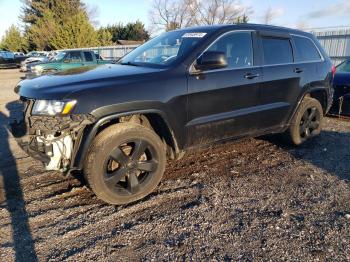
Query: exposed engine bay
x,y
50,139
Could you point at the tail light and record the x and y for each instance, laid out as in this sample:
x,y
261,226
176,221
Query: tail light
x,y
334,70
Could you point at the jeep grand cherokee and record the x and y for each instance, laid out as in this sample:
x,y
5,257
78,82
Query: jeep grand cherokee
x,y
118,124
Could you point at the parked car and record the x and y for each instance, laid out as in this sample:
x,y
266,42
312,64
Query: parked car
x,y
33,57
65,60
188,88
19,54
341,101
7,59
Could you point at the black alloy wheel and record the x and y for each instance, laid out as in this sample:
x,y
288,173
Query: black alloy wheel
x,y
310,121
129,167
306,122
125,163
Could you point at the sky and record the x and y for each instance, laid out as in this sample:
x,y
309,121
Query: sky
x,y
291,13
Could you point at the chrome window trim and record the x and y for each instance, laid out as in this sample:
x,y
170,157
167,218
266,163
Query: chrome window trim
x,y
318,50
193,71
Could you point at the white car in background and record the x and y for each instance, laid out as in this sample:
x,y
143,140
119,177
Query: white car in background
x,y
34,57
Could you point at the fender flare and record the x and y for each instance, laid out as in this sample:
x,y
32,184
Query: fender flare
x,y
306,92
89,133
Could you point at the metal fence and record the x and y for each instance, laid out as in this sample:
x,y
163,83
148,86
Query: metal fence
x,y
336,43
110,52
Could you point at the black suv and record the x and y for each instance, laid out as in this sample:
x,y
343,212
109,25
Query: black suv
x,y
187,88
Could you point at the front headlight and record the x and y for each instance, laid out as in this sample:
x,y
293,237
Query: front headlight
x,y
37,69
53,107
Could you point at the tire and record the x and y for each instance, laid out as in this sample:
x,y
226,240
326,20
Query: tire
x,y
307,122
125,163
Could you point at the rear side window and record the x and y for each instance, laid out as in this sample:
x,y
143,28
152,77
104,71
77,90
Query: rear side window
x,y
305,50
88,57
238,48
277,51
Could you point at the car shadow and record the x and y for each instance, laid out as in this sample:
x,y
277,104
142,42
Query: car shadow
x,y
330,151
23,243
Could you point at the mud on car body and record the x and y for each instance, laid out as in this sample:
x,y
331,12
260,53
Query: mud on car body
x,y
184,89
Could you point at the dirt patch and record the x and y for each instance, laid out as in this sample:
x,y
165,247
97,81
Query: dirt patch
x,y
255,199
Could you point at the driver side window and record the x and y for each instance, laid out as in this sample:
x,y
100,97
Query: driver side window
x,y
238,48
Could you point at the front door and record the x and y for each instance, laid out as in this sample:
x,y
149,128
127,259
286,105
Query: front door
x,y
224,103
74,59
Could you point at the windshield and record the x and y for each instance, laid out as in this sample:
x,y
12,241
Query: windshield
x,y
36,54
344,67
164,50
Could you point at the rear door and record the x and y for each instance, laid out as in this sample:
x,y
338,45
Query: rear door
x,y
223,103
282,79
309,61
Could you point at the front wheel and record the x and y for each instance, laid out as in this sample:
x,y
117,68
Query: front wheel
x,y
307,122
125,163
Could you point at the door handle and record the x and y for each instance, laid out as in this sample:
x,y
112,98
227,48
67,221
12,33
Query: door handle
x,y
298,70
251,76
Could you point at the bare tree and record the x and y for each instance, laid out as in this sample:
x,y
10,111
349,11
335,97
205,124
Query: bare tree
x,y
267,16
173,14
93,14
270,14
212,12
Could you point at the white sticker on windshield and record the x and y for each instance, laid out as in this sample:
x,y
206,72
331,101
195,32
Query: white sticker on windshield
x,y
194,35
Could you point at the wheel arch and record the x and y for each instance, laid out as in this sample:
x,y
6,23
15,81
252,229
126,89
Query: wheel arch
x,y
318,93
155,119
321,95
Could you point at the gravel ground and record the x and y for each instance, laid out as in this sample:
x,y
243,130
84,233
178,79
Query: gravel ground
x,y
254,199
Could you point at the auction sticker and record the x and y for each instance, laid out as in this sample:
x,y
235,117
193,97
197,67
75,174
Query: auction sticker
x,y
194,35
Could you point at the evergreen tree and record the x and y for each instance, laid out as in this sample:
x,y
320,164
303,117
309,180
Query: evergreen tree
x,y
50,22
13,40
242,19
34,10
131,31
104,37
136,31
76,32
43,31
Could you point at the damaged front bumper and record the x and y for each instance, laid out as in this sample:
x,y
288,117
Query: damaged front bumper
x,y
53,140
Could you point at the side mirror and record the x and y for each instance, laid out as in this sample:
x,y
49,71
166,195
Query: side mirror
x,y
211,60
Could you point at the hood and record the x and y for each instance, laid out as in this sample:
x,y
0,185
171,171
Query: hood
x,y
33,59
61,84
342,79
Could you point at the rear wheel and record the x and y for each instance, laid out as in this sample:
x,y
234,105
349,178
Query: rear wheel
x,y
125,163
307,122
